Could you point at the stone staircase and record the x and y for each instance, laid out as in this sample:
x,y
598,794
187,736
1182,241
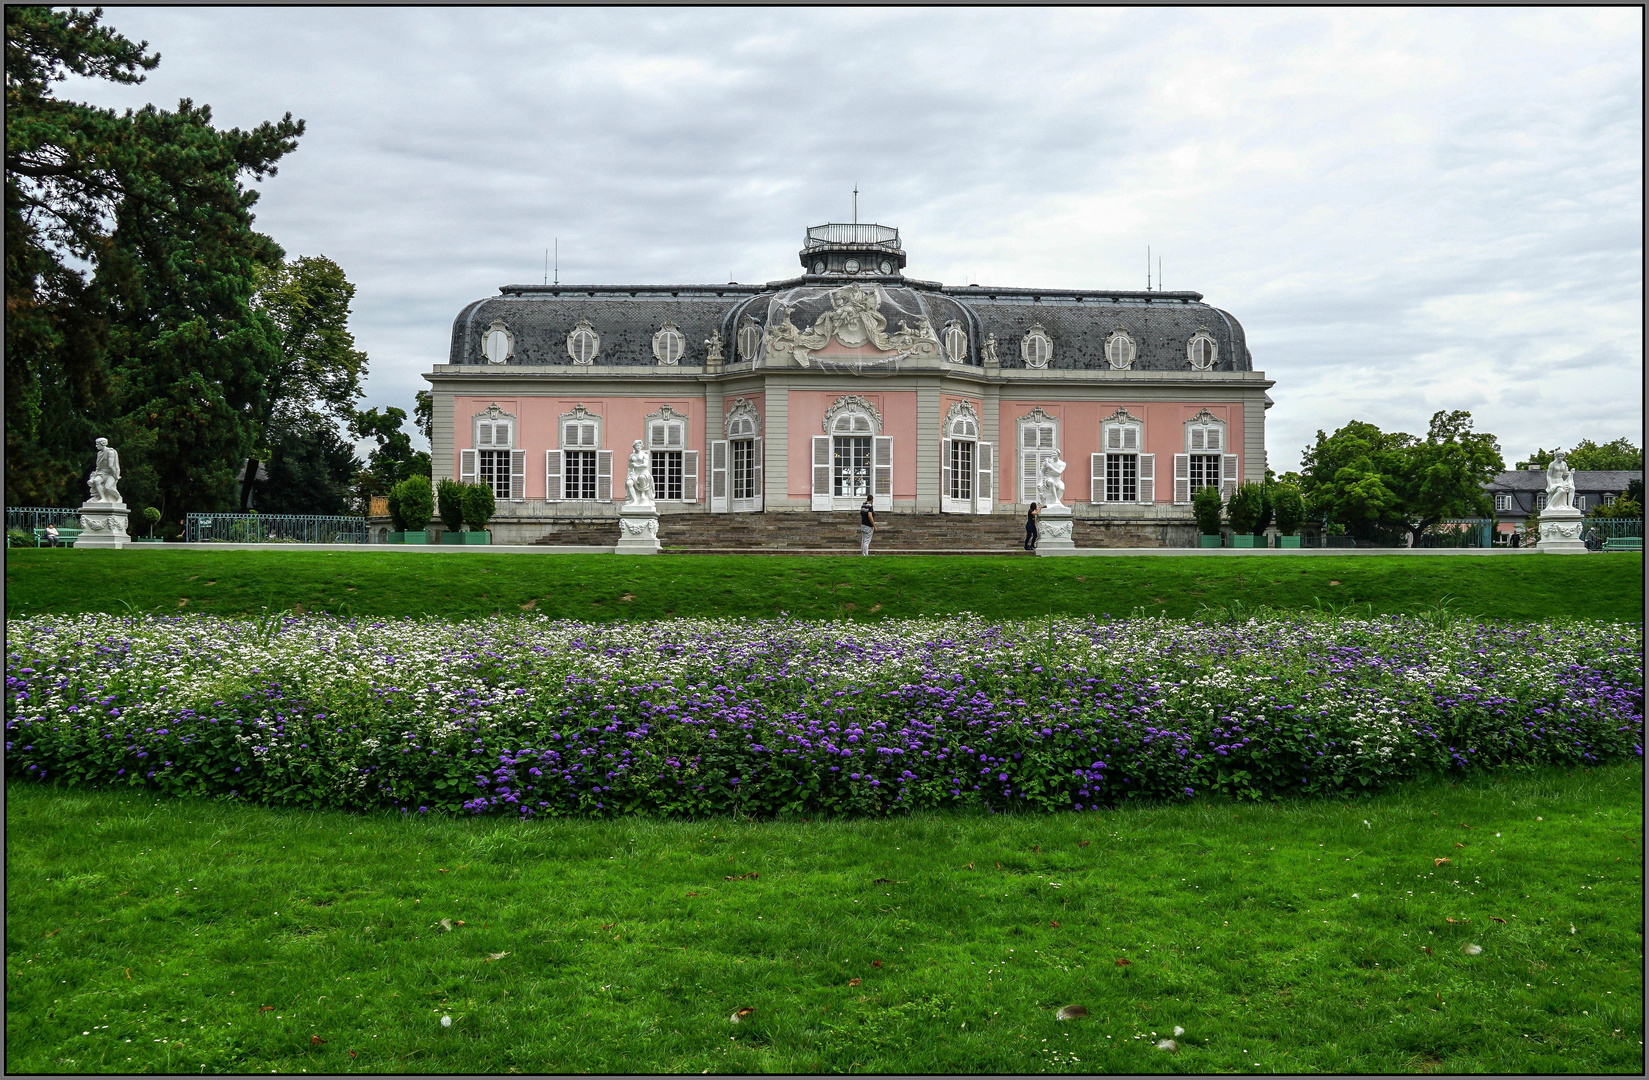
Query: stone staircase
x,y
812,533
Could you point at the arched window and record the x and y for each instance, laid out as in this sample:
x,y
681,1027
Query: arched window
x,y
497,343
1120,349
669,345
583,343
736,464
956,343
1202,350
1036,348
965,464
852,458
750,340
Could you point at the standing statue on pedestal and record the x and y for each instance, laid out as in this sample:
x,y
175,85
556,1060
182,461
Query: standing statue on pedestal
x,y
638,483
1050,488
105,474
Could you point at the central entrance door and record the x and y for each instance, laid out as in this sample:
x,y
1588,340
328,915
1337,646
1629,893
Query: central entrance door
x,y
852,462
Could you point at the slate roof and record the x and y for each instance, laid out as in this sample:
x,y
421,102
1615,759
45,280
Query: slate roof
x,y
1586,480
627,316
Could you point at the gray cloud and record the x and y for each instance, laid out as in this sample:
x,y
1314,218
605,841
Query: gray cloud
x,y
1409,210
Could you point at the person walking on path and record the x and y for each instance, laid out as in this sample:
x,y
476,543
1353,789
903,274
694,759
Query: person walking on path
x,y
1030,529
867,525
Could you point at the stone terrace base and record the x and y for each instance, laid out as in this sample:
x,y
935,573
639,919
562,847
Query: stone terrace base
x,y
809,531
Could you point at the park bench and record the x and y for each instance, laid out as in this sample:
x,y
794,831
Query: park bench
x,y
1623,543
65,534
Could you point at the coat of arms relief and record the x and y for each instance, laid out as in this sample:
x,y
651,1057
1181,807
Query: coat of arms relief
x,y
855,322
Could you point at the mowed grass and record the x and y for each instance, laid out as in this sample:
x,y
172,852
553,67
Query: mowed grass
x,y
606,587
146,936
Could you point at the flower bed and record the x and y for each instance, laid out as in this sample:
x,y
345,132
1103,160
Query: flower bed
x,y
531,716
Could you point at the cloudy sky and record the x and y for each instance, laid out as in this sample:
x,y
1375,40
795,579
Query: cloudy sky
x,y
1409,210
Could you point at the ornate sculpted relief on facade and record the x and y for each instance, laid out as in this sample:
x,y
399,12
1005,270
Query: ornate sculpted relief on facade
x,y
961,410
851,403
742,419
854,320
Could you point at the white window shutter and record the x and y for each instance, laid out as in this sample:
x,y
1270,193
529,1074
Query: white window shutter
x,y
1147,478
483,434
604,475
1214,438
675,434
756,464
882,472
718,476
1113,438
1182,479
690,476
1130,438
466,466
1029,461
518,475
1199,438
552,475
984,495
501,433
1228,476
944,472
821,472
1096,477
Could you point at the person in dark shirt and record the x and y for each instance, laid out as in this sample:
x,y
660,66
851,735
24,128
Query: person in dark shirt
x,y
1030,529
867,525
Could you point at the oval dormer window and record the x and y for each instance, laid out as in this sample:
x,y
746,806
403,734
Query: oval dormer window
x,y
1036,348
669,345
956,343
1203,351
750,340
583,343
1119,349
497,343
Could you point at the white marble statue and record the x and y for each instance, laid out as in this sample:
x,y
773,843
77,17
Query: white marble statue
x,y
1560,484
1050,487
638,483
990,349
104,474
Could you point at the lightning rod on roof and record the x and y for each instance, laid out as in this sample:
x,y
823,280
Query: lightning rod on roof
x,y
546,266
1147,267
855,203
558,260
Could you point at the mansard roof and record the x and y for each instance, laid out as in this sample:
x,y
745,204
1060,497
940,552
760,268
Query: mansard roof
x,y
1076,321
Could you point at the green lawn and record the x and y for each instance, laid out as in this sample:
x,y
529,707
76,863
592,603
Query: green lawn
x,y
603,587
146,936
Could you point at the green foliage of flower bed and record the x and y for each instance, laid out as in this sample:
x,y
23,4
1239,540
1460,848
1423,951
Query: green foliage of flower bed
x,y
529,716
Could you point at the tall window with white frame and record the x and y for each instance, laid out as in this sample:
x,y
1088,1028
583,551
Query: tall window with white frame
x,y
741,438
675,468
965,464
1205,462
1038,442
580,470
852,459
493,459
1120,472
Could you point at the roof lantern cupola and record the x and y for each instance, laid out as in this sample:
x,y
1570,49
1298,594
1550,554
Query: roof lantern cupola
x,y
852,250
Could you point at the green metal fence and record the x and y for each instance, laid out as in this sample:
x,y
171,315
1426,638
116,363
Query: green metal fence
x,y
274,528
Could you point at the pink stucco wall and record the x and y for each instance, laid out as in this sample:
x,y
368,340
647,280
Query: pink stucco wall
x,y
537,418
898,412
1079,434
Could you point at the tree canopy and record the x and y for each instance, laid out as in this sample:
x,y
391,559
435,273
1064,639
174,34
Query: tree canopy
x,y
1373,481
1619,455
131,264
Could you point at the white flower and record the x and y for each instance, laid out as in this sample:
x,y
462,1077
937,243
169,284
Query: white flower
x,y
446,1021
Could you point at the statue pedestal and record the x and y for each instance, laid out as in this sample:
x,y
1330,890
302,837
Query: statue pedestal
x,y
1560,529
102,525
638,529
1054,530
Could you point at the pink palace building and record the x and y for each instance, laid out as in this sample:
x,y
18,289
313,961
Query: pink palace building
x,y
802,396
